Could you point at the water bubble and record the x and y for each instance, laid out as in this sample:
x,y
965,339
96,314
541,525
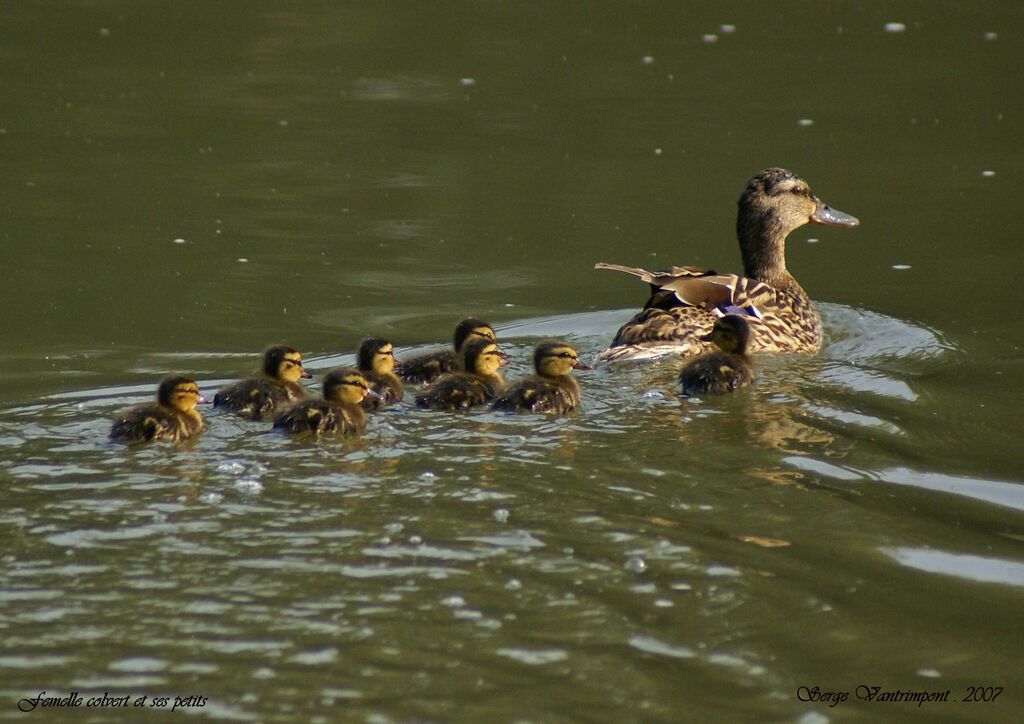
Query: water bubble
x,y
249,486
990,36
657,152
513,584
647,59
636,565
467,81
453,601
988,174
210,498
243,259
179,241
501,515
415,540
427,476
231,468
727,28
804,122
900,267
929,673
812,241
895,27
393,528
709,38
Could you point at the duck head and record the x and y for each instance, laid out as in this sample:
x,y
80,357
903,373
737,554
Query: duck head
x,y
554,359
283,363
179,392
472,328
376,355
483,356
776,202
730,334
346,385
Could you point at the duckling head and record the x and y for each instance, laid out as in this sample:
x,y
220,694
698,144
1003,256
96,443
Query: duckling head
x,y
283,363
179,392
731,334
483,356
472,328
775,202
345,385
376,355
554,359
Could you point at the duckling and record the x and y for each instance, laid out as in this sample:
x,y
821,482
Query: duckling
x,y
376,360
174,417
725,369
479,384
426,368
552,389
339,411
260,396
681,309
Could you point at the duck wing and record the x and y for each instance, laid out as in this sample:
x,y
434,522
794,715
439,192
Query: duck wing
x,y
686,301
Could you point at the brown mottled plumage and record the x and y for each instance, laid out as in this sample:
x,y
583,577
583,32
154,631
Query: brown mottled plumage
x,y
339,411
376,360
783,318
462,390
726,369
553,389
426,368
278,386
174,417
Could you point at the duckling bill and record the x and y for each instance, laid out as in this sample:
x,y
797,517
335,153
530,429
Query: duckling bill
x,y
553,389
477,385
338,413
174,417
376,360
726,369
278,386
426,368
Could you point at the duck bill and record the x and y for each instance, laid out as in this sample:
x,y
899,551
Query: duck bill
x,y
825,214
374,395
502,359
200,400
306,375
709,337
580,366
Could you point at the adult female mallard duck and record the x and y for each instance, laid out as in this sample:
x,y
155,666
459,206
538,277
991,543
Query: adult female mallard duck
x,y
174,417
478,384
428,367
553,389
339,411
376,360
260,396
726,369
686,301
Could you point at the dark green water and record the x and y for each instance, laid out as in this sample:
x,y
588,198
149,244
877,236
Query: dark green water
x,y
186,183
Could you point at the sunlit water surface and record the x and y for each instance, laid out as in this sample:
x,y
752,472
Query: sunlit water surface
x,y
644,556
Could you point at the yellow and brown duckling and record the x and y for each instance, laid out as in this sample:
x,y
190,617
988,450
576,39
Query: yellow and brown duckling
x,y
174,417
338,413
553,389
376,360
426,368
682,308
260,396
725,369
479,384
